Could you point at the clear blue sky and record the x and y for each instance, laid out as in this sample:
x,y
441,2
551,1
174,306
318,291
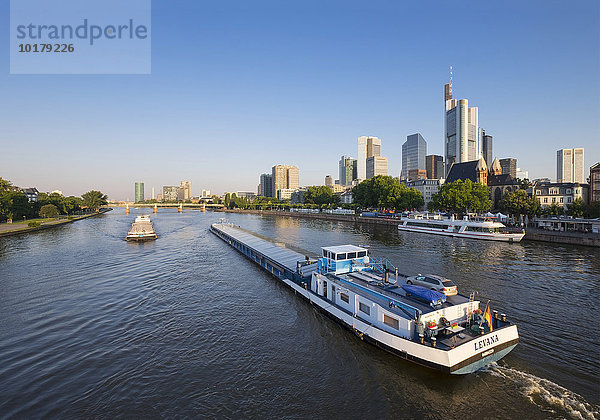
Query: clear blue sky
x,y
237,87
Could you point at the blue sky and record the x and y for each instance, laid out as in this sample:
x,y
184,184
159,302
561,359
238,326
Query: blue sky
x,y
237,87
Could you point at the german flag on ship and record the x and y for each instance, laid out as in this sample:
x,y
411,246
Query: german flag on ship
x,y
488,317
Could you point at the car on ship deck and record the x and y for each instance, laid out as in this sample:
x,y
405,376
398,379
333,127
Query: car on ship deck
x,y
433,282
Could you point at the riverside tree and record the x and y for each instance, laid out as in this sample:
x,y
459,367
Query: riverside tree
x,y
94,199
462,197
386,192
321,195
48,211
519,202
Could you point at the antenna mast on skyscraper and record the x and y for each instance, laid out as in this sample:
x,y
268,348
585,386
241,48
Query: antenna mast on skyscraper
x,y
450,76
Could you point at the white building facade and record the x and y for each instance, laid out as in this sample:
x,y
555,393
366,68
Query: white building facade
x,y
570,165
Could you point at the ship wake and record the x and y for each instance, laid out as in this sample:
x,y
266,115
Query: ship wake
x,y
547,395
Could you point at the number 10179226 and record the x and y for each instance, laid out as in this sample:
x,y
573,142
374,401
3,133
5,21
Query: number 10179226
x,y
41,48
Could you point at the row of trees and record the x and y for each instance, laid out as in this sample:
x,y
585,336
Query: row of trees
x,y
14,204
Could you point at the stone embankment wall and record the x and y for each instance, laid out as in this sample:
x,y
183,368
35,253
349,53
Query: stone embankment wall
x,y
531,235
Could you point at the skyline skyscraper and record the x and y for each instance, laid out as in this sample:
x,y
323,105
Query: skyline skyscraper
x,y
139,192
376,165
509,166
487,147
434,166
266,185
414,151
284,177
347,170
186,186
461,129
570,165
328,181
368,146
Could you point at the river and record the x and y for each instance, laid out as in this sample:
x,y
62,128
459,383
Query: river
x,y
93,326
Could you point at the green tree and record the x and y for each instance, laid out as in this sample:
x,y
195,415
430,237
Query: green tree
x,y
386,192
4,184
524,183
17,205
94,199
321,195
519,202
592,210
577,208
48,210
462,197
554,210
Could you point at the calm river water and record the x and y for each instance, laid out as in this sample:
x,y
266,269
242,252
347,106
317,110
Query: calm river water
x,y
93,326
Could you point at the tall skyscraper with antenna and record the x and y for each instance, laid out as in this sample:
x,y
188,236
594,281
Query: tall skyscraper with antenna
x,y
461,129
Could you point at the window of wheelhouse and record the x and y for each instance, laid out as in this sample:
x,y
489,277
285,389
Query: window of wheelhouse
x,y
362,254
340,256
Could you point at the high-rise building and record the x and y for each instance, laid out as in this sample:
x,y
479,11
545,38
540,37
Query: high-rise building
x,y
139,192
486,148
328,181
569,165
347,170
509,166
186,186
284,177
367,147
376,165
434,166
170,193
153,193
595,182
461,130
205,193
414,150
266,185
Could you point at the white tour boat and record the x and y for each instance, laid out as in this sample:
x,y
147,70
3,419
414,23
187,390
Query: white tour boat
x,y
141,230
479,228
370,298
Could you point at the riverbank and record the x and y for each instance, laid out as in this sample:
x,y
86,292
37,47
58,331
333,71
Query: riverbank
x,y
18,228
572,238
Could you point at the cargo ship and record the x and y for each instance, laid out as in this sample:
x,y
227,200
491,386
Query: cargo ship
x,y
367,295
141,230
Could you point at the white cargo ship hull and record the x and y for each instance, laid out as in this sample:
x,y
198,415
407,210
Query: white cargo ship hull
x,y
465,358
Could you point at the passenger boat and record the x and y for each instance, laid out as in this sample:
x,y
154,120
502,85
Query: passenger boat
x,y
370,298
141,230
478,228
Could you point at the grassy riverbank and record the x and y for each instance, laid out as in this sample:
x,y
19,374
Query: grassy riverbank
x,y
23,226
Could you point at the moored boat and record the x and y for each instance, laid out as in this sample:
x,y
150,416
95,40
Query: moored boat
x,y
475,228
141,230
369,297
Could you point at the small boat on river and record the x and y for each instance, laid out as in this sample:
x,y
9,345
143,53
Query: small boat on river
x,y
367,295
141,230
